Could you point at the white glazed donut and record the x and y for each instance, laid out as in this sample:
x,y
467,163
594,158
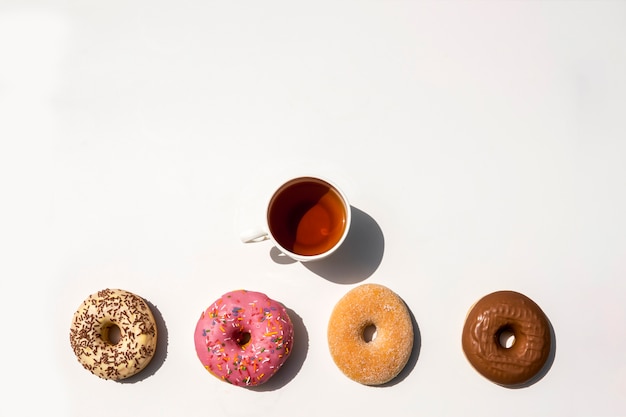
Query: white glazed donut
x,y
90,334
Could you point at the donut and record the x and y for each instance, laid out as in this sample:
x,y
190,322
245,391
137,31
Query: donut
x,y
367,309
244,338
510,315
91,334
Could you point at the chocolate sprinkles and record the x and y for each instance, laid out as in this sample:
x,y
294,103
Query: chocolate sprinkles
x,y
89,334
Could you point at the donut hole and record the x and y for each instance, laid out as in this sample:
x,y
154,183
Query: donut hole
x,y
111,333
369,333
505,337
243,338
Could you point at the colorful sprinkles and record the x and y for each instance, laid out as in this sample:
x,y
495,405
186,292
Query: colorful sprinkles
x,y
244,338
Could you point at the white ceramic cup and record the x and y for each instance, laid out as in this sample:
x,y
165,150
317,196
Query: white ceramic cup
x,y
307,218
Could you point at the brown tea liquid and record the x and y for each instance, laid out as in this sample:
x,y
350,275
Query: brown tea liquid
x,y
307,216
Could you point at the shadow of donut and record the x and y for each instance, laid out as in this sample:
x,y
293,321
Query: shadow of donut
x,y
546,366
355,260
415,353
160,353
294,363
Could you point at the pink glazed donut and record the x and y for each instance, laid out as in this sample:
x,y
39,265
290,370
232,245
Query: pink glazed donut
x,y
244,337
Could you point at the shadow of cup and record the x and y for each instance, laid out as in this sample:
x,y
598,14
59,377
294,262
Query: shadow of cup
x,y
357,258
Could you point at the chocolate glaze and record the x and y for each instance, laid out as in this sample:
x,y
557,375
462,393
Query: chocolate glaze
x,y
513,312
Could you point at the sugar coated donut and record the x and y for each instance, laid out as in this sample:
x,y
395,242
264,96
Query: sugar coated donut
x,y
244,337
506,338
91,329
370,308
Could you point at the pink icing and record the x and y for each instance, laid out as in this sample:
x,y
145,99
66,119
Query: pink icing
x,y
222,344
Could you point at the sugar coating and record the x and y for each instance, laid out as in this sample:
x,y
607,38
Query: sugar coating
x,y
244,337
90,328
380,360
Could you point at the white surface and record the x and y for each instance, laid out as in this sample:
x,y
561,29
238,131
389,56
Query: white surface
x,y
483,144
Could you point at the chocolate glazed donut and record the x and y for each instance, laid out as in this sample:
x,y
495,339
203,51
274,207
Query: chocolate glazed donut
x,y
510,315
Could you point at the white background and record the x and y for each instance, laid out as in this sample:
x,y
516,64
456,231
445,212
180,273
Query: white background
x,y
481,144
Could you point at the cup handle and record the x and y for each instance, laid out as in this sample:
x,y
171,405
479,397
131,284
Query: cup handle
x,y
254,235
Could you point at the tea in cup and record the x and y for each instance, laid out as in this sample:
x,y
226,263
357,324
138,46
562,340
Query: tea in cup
x,y
307,218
